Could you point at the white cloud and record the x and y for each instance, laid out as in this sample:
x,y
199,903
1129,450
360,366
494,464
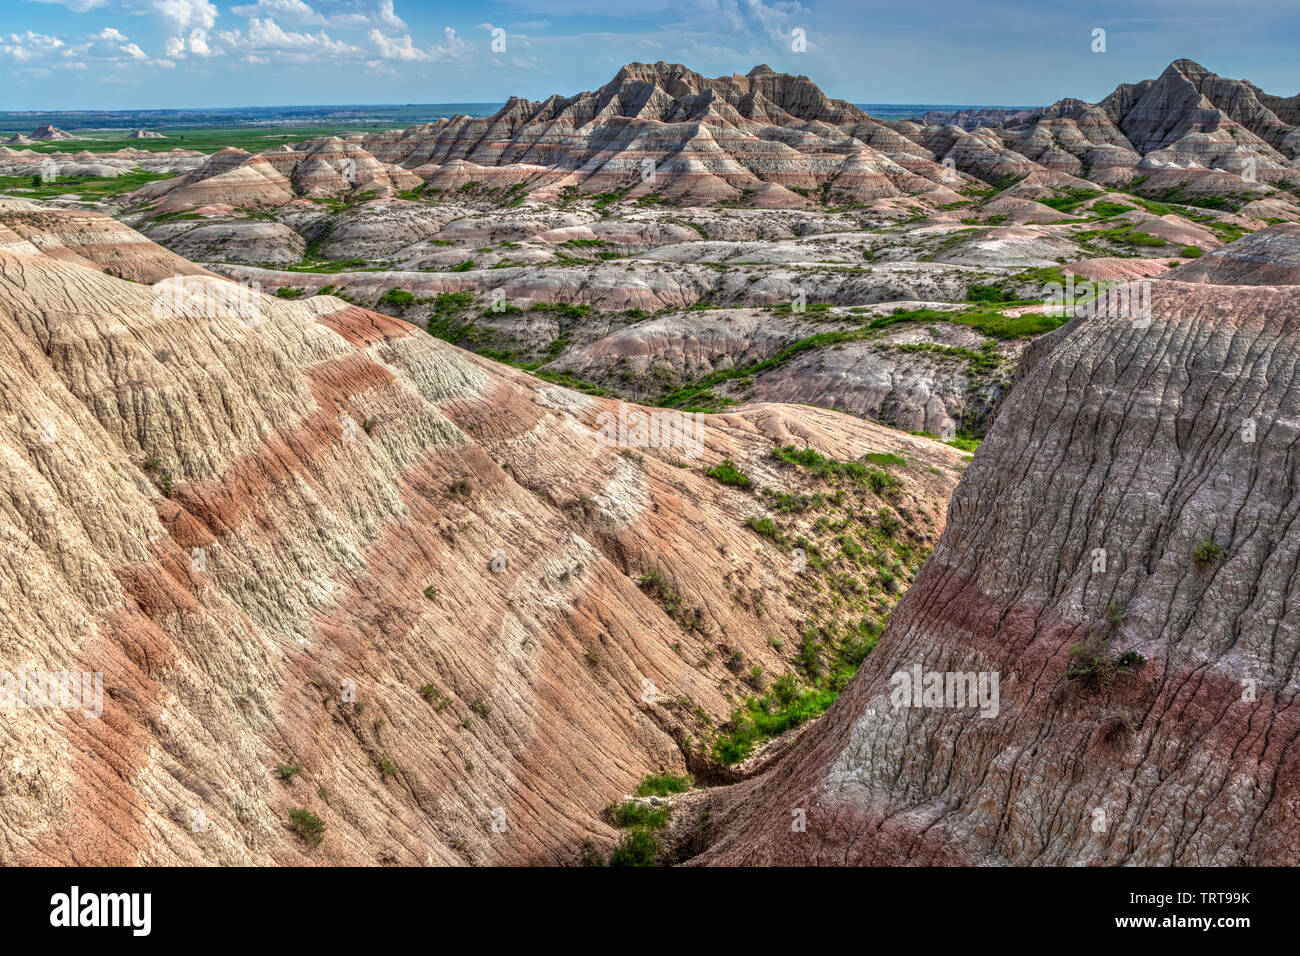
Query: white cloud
x,y
401,48
293,12
180,16
196,44
28,46
77,6
751,17
388,17
267,35
354,13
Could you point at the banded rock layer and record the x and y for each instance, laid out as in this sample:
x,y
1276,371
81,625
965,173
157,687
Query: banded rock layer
x,y
325,561
1121,439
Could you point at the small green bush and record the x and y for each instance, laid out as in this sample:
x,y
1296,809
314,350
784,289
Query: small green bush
x,y
590,854
766,527
1092,664
632,814
728,474
637,848
309,827
1207,552
398,298
433,695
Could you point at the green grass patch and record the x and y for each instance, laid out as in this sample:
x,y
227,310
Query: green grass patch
x,y
397,298
784,708
309,827
636,848
663,784
1071,199
84,187
728,474
879,481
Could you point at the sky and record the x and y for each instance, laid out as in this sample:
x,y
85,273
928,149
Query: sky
x,y
157,54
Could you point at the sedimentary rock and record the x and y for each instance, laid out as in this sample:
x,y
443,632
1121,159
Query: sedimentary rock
x,y
1137,490
321,560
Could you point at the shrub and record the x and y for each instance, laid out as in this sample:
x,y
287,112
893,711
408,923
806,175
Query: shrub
x,y
989,294
1091,663
481,707
309,827
398,298
879,481
728,474
434,696
656,585
287,292
453,301
629,813
637,848
785,707
288,771
431,591
766,527
1207,552
1190,252
885,459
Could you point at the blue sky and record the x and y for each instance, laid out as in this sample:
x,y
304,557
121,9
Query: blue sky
x,y
141,54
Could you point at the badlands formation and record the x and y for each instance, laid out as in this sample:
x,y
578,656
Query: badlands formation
x,y
344,527
327,563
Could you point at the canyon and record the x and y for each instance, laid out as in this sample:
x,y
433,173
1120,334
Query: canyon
x,y
572,484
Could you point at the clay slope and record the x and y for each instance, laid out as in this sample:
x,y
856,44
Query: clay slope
x,y
26,162
1187,135
88,239
1268,257
771,138
1117,437
775,140
326,561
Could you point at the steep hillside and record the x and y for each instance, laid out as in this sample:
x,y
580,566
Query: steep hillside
x,y
1268,257
329,565
1121,556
